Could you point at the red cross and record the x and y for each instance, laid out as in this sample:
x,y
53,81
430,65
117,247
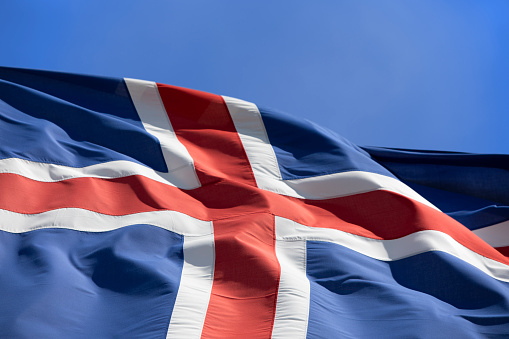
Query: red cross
x,y
246,278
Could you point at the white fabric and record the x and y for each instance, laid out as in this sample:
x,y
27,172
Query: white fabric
x,y
249,124
193,296
292,308
389,250
45,172
496,235
198,270
150,108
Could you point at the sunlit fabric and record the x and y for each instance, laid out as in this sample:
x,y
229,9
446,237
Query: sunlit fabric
x,y
135,209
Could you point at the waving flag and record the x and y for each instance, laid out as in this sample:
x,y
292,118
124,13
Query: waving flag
x,y
132,209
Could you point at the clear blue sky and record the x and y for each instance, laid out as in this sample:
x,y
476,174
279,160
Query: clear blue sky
x,y
425,74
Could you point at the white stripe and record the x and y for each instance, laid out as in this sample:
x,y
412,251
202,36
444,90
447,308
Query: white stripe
x,y
193,296
249,125
88,221
340,185
108,170
496,235
198,270
292,308
389,250
181,172
150,108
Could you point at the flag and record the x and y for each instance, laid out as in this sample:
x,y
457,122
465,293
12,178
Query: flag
x,y
133,209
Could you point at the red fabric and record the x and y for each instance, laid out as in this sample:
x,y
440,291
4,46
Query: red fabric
x,y
203,124
245,280
223,200
247,272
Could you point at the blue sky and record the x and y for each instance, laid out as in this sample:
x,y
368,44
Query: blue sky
x,y
410,74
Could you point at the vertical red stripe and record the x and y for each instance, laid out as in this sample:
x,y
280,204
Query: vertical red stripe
x,y
243,298
204,125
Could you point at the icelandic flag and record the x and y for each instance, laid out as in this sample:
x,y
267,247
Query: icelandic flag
x,y
132,209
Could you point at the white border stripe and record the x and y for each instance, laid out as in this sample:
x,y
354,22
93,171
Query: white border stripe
x,y
340,185
181,172
193,295
389,250
45,172
88,221
249,125
150,108
496,235
292,308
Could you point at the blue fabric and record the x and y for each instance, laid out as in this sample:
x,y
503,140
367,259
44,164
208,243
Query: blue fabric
x,y
472,212
59,283
471,188
304,149
483,176
72,120
428,295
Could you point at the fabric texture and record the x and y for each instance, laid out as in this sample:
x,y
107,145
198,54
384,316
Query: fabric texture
x,y
141,210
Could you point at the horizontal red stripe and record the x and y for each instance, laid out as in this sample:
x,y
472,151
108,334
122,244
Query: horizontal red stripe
x,y
377,214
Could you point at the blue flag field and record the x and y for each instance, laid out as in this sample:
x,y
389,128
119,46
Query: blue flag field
x,y
134,209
